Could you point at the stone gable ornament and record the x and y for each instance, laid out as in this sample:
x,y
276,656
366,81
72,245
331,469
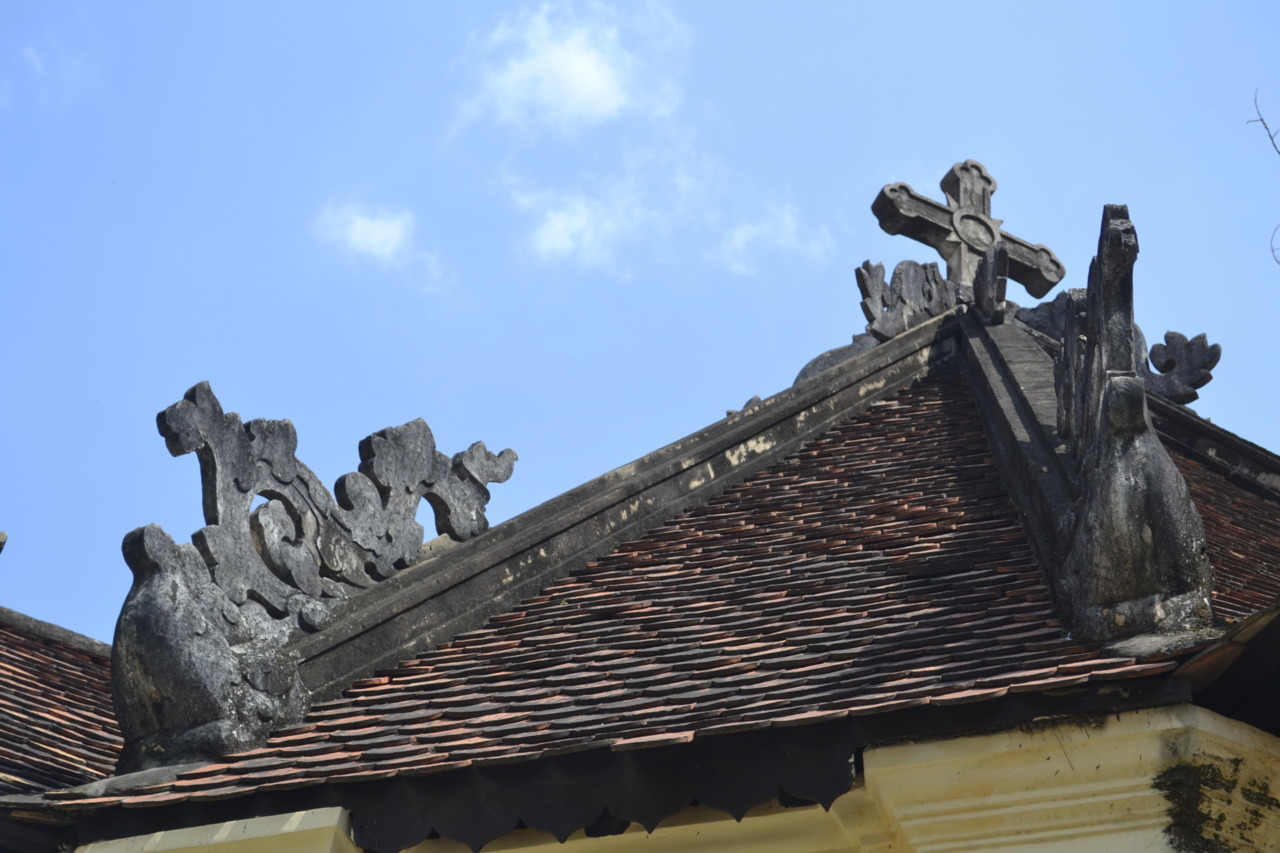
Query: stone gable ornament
x,y
981,258
198,660
1135,555
963,232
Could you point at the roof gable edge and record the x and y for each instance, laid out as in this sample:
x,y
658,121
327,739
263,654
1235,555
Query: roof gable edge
x,y
458,589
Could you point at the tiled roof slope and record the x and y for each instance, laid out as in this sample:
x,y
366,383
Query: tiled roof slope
x,y
1242,527
57,726
881,567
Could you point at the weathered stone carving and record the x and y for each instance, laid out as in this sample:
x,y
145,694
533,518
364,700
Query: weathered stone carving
x,y
990,285
916,293
1136,557
1181,366
198,658
962,229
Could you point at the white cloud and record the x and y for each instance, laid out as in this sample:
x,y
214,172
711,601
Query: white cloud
x,y
778,230
380,235
566,69
581,228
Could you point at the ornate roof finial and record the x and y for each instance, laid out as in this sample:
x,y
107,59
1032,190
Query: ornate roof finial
x,y
199,663
963,229
1135,543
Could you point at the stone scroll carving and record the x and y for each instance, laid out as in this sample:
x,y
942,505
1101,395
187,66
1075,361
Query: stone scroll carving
x,y
916,293
1135,554
199,662
1175,369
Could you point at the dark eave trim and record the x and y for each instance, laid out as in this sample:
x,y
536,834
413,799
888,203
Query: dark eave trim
x,y
598,786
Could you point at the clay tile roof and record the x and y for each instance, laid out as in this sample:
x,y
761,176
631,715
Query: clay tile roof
x,y
1242,527
880,567
57,726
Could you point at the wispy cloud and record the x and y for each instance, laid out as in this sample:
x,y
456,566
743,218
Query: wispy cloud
x,y
582,228
779,231
379,235
567,69
611,78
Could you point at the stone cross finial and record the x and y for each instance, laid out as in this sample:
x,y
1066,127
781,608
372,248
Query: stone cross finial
x,y
962,229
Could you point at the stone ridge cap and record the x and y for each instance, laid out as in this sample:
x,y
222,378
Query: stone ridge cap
x,y
54,633
549,540
1215,439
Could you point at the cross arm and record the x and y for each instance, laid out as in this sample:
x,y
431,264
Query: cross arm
x,y
901,210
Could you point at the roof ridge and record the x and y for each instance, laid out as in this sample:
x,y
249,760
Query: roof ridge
x,y
429,603
51,632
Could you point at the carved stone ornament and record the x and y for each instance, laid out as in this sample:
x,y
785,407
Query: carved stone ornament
x,y
1136,559
1175,369
199,663
962,229
964,233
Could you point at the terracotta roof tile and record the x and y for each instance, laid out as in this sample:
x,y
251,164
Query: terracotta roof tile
x,y
57,725
1243,530
882,567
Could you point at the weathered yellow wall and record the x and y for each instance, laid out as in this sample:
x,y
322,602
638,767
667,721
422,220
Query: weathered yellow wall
x,y
313,831
1166,779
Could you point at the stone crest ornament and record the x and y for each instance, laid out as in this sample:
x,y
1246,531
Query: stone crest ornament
x,y
916,293
962,229
964,233
1136,559
1175,369
198,658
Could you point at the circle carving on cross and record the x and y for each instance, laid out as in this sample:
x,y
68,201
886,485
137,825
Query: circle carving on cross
x,y
976,230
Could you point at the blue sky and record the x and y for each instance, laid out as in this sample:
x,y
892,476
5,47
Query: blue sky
x,y
581,230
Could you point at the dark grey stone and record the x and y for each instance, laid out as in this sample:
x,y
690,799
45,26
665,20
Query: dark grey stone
x,y
1181,366
916,293
199,663
1184,365
832,357
990,285
962,229
1135,560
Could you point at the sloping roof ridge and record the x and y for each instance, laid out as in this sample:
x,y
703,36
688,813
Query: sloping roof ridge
x,y
462,585
1245,462
50,632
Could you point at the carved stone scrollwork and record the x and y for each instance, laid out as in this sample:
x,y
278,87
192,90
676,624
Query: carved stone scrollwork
x,y
199,663
917,292
1181,365
1135,546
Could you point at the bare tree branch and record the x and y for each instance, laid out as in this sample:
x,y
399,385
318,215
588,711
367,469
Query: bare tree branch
x,y
1271,135
1262,121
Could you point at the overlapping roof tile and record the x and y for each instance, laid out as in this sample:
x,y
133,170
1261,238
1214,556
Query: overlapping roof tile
x,y
881,567
1242,527
57,726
